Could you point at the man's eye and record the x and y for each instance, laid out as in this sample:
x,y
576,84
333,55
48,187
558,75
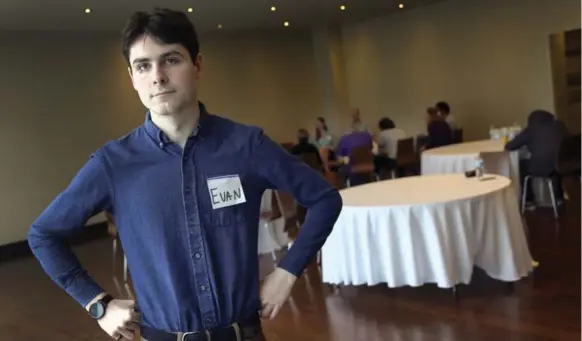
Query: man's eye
x,y
142,67
172,61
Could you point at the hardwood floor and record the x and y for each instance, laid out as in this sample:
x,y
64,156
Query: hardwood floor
x,y
545,306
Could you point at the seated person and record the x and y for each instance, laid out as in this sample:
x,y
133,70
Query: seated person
x,y
303,146
445,112
543,137
323,138
439,132
387,144
345,147
353,140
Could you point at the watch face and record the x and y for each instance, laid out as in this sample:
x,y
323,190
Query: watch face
x,y
97,310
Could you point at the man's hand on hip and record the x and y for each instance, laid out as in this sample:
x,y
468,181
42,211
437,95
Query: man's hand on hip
x,y
121,320
275,292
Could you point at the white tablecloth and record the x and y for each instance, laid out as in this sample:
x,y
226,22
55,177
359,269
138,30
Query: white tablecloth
x,y
459,158
427,229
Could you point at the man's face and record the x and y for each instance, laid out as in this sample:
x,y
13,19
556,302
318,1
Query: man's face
x,y
164,75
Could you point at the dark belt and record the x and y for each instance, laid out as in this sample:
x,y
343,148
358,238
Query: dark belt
x,y
235,332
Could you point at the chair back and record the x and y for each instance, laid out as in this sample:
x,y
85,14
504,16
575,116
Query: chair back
x,y
405,154
361,155
457,135
324,153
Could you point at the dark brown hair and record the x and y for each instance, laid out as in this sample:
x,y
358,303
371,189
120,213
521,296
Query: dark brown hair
x,y
166,25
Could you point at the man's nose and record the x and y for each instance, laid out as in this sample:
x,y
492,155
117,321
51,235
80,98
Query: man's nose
x,y
160,76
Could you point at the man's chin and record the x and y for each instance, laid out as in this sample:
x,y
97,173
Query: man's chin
x,y
164,110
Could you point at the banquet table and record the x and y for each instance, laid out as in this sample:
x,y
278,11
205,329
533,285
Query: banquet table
x,y
461,157
427,229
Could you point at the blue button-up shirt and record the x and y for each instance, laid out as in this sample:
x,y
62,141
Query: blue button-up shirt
x,y
193,267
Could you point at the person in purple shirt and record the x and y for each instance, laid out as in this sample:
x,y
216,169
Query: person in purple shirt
x,y
352,140
345,147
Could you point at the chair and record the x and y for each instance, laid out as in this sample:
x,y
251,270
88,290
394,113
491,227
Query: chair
x,y
271,211
405,154
457,135
549,182
114,234
362,165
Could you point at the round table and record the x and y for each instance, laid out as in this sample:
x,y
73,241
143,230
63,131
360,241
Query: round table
x,y
461,157
427,229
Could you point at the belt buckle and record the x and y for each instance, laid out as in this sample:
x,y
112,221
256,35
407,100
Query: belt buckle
x,y
208,338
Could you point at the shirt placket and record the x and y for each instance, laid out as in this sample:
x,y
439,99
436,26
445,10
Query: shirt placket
x,y
196,243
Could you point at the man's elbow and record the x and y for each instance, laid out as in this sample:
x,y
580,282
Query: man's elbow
x,y
35,238
38,238
333,205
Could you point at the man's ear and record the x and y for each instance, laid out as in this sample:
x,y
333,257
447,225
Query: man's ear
x,y
130,76
199,66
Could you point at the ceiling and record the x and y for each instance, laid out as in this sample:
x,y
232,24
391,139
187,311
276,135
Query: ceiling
x,y
109,15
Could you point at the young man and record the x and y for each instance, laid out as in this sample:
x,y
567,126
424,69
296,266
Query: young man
x,y
185,190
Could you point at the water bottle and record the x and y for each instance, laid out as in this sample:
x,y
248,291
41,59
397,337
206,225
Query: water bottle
x,y
479,168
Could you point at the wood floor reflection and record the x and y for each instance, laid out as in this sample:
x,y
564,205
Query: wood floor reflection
x,y
545,306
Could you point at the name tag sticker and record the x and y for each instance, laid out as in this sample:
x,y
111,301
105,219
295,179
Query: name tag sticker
x,y
226,191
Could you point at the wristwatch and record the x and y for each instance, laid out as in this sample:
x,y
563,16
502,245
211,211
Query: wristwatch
x,y
97,309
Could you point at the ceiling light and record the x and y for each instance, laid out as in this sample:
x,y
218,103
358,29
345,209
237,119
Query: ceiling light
x,y
286,23
401,6
219,26
343,7
87,10
273,8
190,9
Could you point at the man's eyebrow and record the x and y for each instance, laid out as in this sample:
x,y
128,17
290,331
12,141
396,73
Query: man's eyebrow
x,y
162,56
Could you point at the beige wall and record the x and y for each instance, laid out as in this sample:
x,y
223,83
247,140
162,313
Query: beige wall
x,y
488,58
63,95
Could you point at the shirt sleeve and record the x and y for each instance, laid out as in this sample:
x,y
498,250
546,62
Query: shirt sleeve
x,y
277,169
87,194
519,140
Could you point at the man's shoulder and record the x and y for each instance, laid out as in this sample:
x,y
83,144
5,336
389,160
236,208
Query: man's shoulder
x,y
225,122
229,129
124,146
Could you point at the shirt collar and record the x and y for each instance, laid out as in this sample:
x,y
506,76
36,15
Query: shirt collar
x,y
160,137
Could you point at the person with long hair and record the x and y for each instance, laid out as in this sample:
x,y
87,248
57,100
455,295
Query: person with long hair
x,y
323,138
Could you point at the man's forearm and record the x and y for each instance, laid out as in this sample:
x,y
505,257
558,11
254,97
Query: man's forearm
x,y
60,263
318,225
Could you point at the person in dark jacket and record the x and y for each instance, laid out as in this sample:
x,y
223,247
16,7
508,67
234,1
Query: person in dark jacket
x,y
303,146
439,132
542,136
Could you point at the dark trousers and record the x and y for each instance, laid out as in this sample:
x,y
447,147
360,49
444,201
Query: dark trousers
x,y
530,196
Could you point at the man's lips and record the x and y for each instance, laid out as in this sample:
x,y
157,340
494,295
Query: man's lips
x,y
163,93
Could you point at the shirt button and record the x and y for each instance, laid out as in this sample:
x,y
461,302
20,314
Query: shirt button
x,y
197,256
161,144
185,158
202,287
